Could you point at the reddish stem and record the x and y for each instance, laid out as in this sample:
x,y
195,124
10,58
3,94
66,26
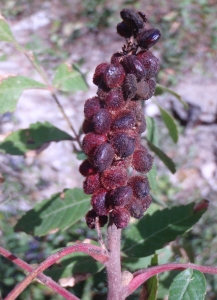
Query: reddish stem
x,y
113,265
96,252
141,276
42,278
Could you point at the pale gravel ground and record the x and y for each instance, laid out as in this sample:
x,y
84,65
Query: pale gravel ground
x,y
57,166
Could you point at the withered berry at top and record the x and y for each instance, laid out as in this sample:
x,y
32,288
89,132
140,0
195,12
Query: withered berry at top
x,y
132,19
124,30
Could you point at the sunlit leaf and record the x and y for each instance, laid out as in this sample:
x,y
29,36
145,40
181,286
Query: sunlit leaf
x,y
57,213
152,232
189,284
11,89
21,141
5,32
68,79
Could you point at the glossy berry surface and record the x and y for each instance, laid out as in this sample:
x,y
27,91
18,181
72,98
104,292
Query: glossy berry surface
x,y
140,186
150,62
100,69
148,38
103,157
98,202
102,121
123,121
120,196
132,19
124,30
91,107
133,66
123,144
114,75
86,168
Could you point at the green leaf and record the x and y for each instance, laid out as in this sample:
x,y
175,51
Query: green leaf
x,y
151,284
81,155
21,141
69,79
160,89
152,135
165,159
169,122
189,284
69,265
152,174
57,213
163,226
11,89
5,32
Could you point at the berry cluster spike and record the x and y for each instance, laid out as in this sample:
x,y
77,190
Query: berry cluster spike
x,y
113,124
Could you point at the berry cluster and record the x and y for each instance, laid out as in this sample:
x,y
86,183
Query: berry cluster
x,y
113,124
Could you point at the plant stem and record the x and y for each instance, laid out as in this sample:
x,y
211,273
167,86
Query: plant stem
x,y
113,266
41,277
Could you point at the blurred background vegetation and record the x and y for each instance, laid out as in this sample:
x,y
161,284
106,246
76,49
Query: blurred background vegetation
x,y
83,32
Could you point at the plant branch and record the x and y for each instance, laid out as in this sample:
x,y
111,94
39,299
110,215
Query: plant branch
x,y
41,277
113,265
142,275
96,252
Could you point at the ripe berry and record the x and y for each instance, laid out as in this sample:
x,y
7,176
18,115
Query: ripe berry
x,y
142,161
123,144
121,217
114,177
148,38
123,121
150,62
142,90
129,86
100,69
102,121
141,126
92,183
98,201
120,196
135,208
132,19
91,107
103,157
86,168
91,141
87,126
114,75
140,186
114,100
133,66
124,30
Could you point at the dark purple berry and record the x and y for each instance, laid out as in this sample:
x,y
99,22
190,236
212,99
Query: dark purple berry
x,y
124,121
124,30
146,202
140,186
92,183
132,19
129,86
100,69
114,100
142,161
91,141
150,62
133,66
91,219
102,121
103,91
103,157
121,217
114,75
148,38
123,144
86,168
87,126
141,126
98,201
114,177
120,196
91,107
